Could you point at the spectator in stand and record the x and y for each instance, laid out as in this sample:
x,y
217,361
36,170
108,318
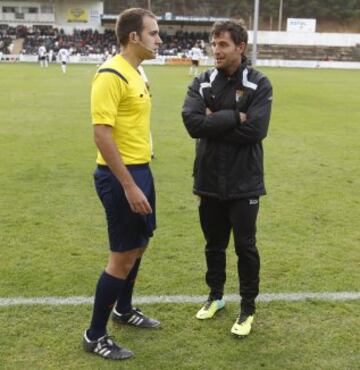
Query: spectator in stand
x,y
85,42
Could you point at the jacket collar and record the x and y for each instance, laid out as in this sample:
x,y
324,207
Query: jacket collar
x,y
238,73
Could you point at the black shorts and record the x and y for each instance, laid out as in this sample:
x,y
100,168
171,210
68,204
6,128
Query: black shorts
x,y
126,230
195,63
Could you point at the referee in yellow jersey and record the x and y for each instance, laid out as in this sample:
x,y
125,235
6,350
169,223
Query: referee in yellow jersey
x,y
120,110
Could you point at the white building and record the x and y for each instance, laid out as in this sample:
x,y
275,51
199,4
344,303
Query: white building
x,y
66,14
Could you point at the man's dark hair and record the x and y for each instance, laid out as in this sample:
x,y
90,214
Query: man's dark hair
x,y
236,28
130,20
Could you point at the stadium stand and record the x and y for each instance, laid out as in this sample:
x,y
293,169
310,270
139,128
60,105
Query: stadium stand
x,y
182,41
300,52
177,38
83,42
86,42
330,15
11,38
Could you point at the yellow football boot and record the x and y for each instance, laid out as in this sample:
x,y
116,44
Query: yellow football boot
x,y
209,309
242,326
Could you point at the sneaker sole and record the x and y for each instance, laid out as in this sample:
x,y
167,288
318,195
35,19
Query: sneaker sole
x,y
239,337
129,354
127,357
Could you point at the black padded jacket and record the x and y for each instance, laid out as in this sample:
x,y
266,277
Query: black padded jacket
x,y
229,154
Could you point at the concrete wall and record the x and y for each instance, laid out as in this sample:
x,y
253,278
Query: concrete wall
x,y
43,16
306,38
80,14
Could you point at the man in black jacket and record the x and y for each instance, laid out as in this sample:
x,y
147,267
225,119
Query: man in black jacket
x,y
227,109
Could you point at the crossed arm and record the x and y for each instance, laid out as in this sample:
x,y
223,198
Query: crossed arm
x,y
228,125
242,116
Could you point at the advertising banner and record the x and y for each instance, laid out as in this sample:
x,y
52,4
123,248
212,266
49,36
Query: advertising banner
x,y
301,25
78,15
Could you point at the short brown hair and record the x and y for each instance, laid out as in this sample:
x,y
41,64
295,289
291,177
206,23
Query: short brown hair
x,y
130,20
236,28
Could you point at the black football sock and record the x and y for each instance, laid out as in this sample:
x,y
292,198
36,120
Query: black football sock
x,y
124,299
107,290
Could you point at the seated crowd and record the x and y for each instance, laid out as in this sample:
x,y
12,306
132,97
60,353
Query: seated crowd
x,y
86,42
182,42
91,42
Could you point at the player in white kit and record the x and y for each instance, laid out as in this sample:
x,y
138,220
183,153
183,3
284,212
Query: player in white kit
x,y
195,55
63,57
42,56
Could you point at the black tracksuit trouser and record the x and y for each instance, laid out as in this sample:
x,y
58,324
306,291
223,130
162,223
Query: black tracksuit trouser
x,y
218,219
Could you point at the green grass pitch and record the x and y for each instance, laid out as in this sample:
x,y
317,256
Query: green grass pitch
x,y
53,236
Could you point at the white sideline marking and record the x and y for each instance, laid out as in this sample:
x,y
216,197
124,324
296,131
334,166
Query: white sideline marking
x,y
266,297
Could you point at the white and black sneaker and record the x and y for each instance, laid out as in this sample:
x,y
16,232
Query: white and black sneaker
x,y
135,318
106,348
